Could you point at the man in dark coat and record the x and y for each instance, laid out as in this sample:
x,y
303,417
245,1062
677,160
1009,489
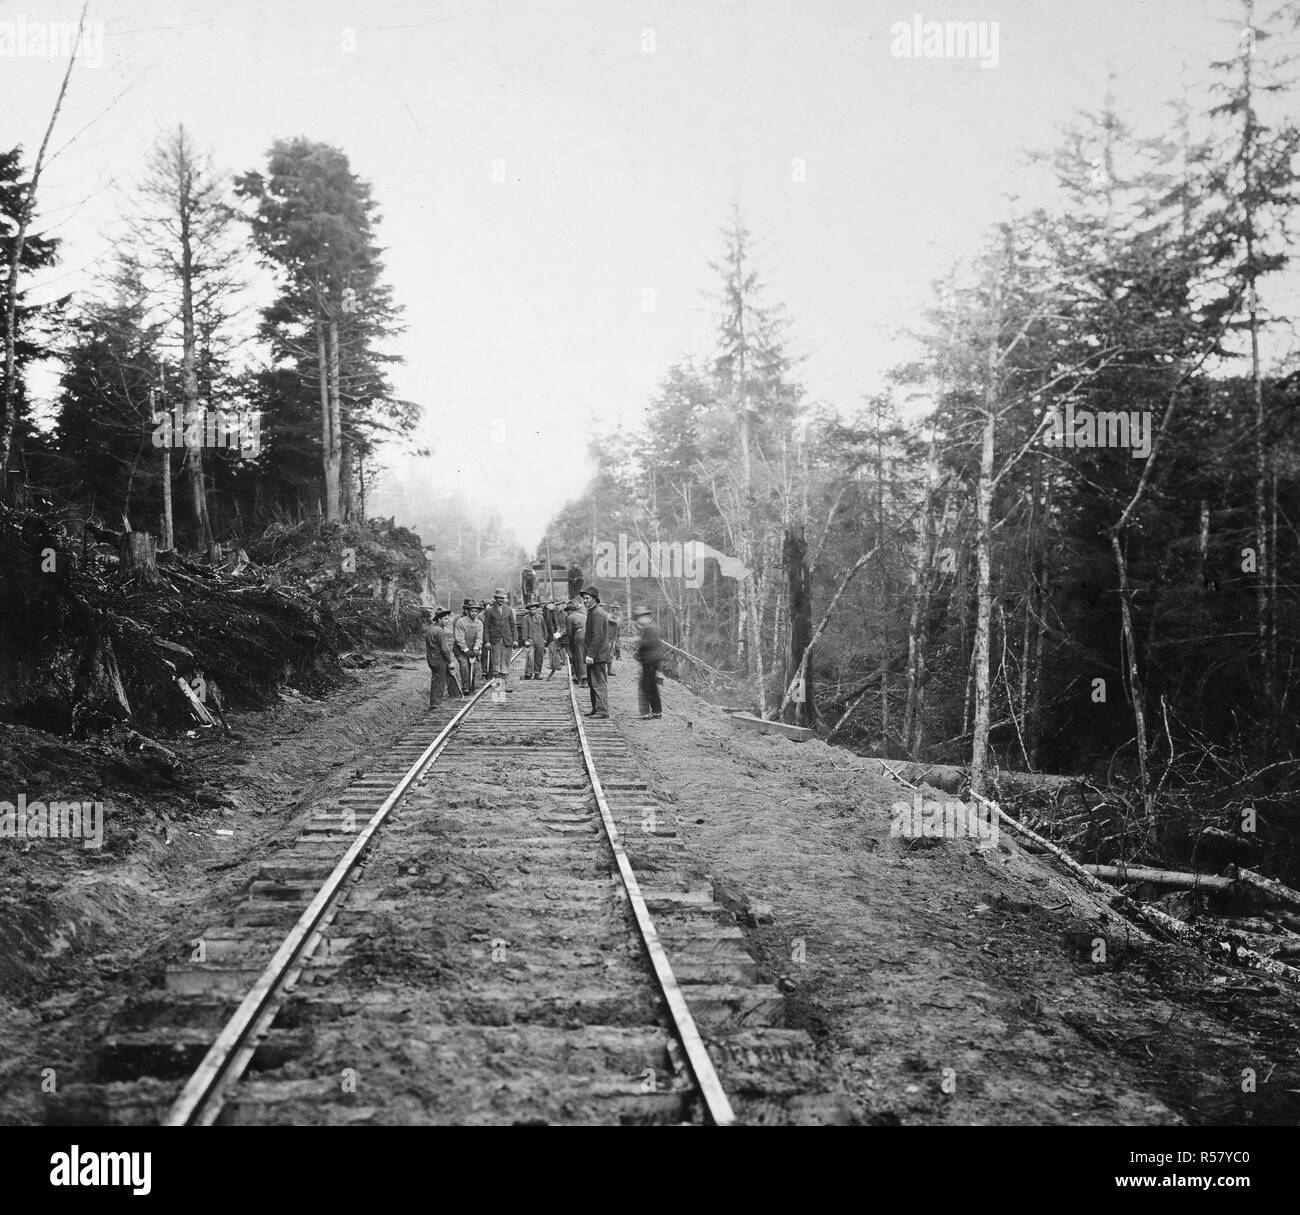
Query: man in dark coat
x,y
532,629
502,635
554,635
438,654
598,642
575,631
575,580
649,653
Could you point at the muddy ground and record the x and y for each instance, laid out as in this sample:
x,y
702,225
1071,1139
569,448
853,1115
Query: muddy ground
x,y
944,981
82,929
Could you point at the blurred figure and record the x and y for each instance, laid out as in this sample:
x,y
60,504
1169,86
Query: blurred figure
x,y
467,637
575,580
599,643
649,653
615,627
533,634
554,634
528,583
438,654
575,629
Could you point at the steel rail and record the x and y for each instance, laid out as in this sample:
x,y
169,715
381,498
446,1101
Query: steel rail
x,y
716,1104
201,1099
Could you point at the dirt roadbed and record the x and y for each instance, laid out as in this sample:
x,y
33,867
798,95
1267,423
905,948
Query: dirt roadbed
x,y
950,981
945,981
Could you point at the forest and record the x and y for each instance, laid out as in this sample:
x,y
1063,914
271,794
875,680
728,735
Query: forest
x,y
1059,541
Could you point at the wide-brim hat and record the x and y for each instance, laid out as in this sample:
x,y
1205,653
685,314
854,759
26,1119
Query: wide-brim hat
x,y
499,593
592,591
640,611
533,604
469,603
441,612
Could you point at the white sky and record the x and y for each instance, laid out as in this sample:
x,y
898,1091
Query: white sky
x,y
524,298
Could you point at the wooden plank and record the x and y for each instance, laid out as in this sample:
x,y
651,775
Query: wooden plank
x,y
759,725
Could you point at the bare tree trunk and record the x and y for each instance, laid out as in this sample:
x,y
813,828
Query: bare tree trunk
x,y
194,421
327,364
347,481
799,595
1263,606
983,558
1131,673
847,577
335,471
9,411
168,536
918,623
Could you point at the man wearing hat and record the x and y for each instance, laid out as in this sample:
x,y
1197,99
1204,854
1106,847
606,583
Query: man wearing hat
x,y
502,634
532,629
437,653
598,641
649,653
467,637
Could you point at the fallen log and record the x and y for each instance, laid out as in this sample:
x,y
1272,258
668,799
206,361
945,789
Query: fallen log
x,y
1163,925
1168,878
1241,954
1270,886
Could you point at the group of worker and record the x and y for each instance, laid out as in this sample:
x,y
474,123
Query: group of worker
x,y
483,638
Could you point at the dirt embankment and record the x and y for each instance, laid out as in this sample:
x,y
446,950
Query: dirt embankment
x,y
81,929
950,981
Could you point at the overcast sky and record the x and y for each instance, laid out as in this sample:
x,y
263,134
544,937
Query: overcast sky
x,y
622,132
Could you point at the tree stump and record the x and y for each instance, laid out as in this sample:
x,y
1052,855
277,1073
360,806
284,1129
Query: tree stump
x,y
139,558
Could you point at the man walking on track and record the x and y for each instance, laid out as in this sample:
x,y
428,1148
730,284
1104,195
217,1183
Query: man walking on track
x,y
467,636
533,629
501,636
649,653
437,653
575,580
554,635
575,629
598,643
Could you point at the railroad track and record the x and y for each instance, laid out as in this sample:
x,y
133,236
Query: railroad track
x,y
499,926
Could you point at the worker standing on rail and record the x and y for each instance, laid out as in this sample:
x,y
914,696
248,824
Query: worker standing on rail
x,y
533,634
502,634
467,637
575,630
554,633
598,642
438,654
649,653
